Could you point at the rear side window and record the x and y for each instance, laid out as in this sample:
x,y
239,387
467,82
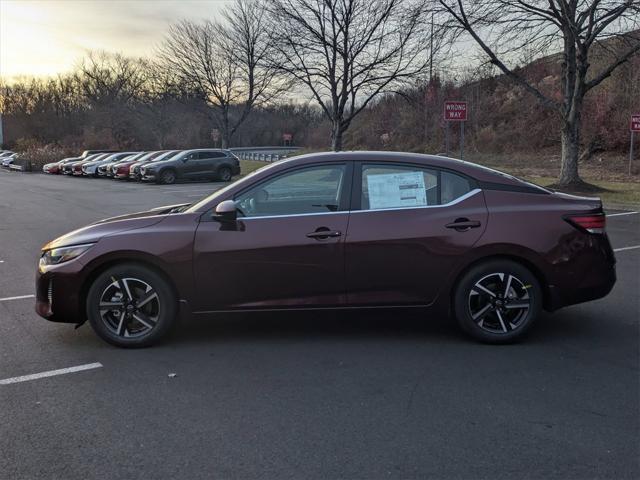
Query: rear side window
x,y
208,155
401,186
453,186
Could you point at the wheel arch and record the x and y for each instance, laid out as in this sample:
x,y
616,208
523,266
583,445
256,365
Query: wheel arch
x,y
142,259
168,168
528,263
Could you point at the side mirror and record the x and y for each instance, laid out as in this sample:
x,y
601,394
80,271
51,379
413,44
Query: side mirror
x,y
226,212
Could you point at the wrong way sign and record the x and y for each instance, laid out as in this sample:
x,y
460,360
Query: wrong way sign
x,y
455,111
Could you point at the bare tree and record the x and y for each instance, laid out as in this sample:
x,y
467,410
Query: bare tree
x,y
347,52
225,63
110,85
578,27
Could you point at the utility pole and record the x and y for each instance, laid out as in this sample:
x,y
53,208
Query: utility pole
x,y
1,132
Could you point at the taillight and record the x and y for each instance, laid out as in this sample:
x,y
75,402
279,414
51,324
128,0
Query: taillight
x,y
591,223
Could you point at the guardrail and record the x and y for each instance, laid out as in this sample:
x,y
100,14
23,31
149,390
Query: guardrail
x,y
264,154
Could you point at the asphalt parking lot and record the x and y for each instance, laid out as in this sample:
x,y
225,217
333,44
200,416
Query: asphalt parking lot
x,y
342,395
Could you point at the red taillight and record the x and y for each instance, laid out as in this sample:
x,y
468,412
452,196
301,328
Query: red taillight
x,y
591,223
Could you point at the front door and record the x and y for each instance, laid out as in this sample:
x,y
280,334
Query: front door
x,y
409,227
285,251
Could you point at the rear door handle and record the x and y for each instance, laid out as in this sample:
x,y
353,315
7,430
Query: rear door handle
x,y
323,233
462,224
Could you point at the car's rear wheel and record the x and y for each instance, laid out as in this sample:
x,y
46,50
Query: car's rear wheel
x,y
224,174
497,301
168,177
131,306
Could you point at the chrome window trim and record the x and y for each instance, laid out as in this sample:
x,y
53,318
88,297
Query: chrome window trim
x,y
453,202
313,214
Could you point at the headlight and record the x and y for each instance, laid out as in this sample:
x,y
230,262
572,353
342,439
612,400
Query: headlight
x,y
56,256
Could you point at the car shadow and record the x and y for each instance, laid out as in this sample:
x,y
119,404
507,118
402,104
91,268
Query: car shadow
x,y
314,325
362,325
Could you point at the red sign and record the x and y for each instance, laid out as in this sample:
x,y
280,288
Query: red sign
x,y
287,137
455,111
635,123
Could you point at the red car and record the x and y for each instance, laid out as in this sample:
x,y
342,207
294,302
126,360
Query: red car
x,y
337,230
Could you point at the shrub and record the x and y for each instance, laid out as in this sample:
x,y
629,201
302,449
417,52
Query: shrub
x,y
34,156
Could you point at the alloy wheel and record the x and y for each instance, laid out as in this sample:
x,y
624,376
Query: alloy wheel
x,y
129,307
499,303
225,174
168,177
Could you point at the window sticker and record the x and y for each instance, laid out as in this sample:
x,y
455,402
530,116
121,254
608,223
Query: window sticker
x,y
394,190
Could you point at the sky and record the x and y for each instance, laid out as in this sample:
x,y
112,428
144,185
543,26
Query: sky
x,y
46,37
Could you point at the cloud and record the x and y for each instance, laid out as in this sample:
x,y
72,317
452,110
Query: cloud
x,y
47,37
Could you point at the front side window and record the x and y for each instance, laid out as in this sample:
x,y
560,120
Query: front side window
x,y
400,186
309,190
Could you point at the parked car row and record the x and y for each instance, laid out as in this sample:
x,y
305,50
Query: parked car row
x,y
7,157
160,166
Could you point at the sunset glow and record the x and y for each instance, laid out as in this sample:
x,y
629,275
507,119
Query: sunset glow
x,y
44,38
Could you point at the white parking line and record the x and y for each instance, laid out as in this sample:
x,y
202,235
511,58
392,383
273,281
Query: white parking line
x,y
621,214
50,373
622,249
7,299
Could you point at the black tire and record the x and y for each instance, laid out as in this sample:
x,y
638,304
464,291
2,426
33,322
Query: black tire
x,y
499,318
131,327
167,177
224,174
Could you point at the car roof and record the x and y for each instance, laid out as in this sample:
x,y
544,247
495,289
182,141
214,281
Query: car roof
x,y
478,172
204,150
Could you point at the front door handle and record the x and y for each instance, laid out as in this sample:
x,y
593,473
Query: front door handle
x,y
463,224
323,233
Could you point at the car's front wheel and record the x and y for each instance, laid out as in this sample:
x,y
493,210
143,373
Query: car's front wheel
x,y
131,306
497,301
168,177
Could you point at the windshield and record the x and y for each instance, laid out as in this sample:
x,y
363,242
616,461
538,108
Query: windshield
x,y
165,155
510,177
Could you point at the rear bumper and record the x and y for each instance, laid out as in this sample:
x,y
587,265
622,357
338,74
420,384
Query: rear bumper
x,y
590,277
583,292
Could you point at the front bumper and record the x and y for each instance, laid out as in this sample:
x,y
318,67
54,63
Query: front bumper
x,y
59,294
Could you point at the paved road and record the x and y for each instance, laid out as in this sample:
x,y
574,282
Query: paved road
x,y
368,395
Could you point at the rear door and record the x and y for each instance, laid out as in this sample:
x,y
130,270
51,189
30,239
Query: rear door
x,y
200,164
409,227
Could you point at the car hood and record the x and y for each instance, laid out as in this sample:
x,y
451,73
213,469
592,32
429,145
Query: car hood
x,y
153,164
104,228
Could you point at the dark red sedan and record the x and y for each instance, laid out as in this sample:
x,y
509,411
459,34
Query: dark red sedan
x,y
337,230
